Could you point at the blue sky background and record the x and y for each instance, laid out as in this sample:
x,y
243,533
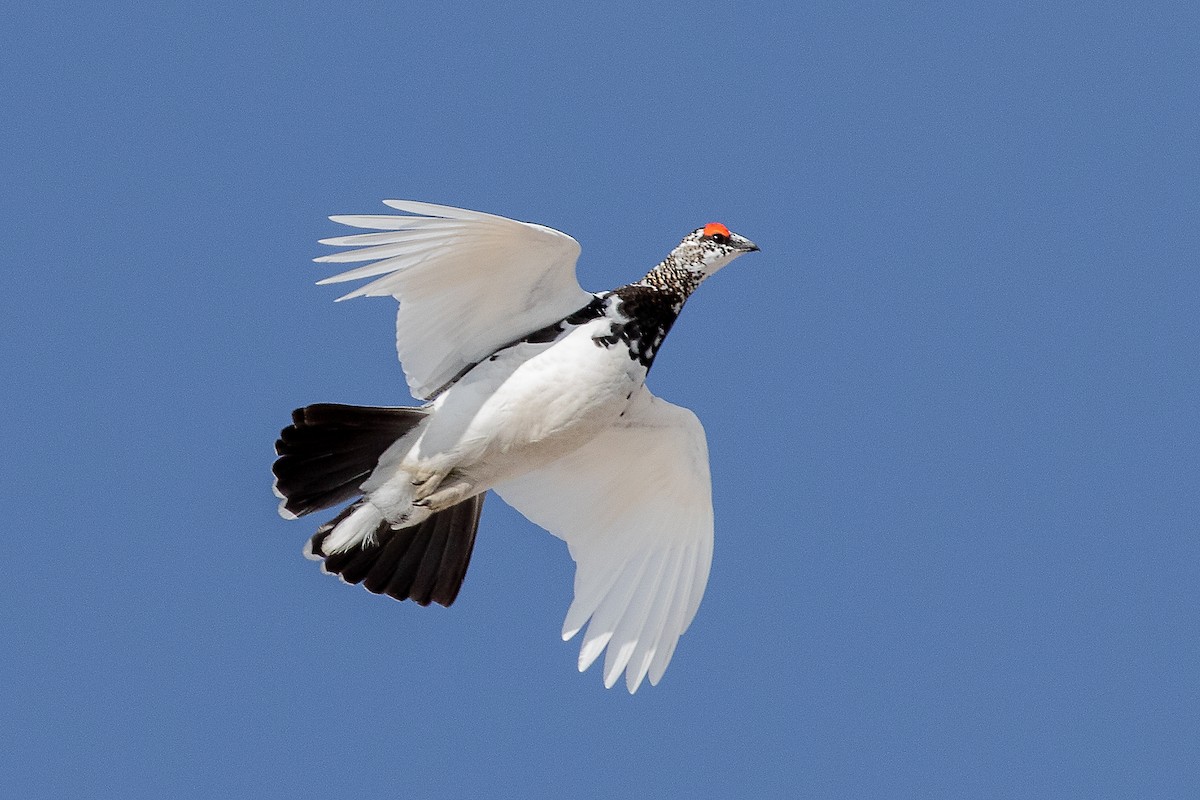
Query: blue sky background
x,y
951,406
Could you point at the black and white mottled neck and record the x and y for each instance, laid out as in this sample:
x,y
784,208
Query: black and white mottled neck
x,y
641,316
678,274
642,313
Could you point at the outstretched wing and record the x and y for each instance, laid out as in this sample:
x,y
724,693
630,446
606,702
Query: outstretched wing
x,y
635,508
468,283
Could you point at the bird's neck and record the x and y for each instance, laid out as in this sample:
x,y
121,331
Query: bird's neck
x,y
672,276
643,314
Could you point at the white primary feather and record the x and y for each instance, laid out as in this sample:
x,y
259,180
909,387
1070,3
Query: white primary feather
x,y
468,283
635,508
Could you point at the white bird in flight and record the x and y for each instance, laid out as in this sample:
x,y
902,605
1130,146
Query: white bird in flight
x,y
535,389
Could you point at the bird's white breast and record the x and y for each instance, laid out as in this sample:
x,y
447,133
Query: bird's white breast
x,y
530,404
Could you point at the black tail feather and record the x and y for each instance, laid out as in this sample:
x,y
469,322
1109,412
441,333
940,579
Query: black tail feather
x,y
330,449
448,577
425,563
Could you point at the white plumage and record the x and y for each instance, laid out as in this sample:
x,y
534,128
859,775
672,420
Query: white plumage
x,y
536,391
635,508
468,283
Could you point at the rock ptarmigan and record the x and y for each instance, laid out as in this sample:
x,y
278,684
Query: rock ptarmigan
x,y
535,389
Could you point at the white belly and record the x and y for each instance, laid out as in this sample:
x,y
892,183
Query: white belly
x,y
530,405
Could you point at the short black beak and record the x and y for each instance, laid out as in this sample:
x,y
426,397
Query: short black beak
x,y
742,243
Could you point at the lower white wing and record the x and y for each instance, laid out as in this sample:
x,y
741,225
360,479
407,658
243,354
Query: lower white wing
x,y
468,283
635,508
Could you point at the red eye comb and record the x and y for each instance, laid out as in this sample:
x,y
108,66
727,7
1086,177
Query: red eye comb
x,y
713,228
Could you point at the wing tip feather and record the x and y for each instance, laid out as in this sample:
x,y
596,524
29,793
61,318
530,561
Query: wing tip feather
x,y
592,647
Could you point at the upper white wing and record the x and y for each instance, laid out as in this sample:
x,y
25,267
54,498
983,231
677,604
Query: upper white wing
x,y
468,283
635,508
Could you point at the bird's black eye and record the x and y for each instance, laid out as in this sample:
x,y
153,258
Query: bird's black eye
x,y
720,238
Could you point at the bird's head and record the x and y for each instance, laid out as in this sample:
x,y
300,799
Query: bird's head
x,y
716,246
701,253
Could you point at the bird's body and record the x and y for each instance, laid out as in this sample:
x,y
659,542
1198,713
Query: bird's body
x,y
517,410
551,413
